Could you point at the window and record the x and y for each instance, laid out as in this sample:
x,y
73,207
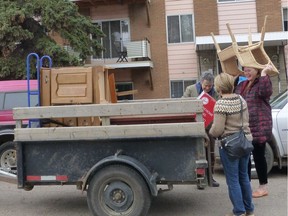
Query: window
x,y
116,32
285,19
18,99
178,87
180,28
279,101
124,86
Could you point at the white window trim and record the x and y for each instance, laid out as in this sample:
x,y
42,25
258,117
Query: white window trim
x,y
283,17
183,80
193,22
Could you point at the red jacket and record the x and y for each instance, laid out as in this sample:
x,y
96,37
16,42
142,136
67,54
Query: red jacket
x,y
257,98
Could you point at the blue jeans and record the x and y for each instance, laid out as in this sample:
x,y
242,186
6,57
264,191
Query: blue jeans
x,y
240,192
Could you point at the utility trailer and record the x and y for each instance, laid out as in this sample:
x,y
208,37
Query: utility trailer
x,y
139,147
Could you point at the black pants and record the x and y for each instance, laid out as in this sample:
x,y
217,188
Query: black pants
x,y
260,163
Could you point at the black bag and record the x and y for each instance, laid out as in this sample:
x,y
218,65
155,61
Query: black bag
x,y
237,145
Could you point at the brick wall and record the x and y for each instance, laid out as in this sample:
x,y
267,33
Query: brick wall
x,y
206,17
272,8
156,33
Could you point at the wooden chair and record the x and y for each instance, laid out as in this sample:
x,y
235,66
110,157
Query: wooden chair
x,y
228,59
251,55
122,53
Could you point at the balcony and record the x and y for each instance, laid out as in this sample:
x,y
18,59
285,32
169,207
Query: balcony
x,y
125,54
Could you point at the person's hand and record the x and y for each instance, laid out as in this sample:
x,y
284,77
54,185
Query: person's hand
x,y
266,69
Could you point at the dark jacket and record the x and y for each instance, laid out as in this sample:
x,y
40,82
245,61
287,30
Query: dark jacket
x,y
257,98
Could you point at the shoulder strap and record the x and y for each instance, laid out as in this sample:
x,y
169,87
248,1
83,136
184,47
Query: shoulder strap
x,y
241,110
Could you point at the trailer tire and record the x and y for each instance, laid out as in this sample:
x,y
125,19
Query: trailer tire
x,y
118,190
8,159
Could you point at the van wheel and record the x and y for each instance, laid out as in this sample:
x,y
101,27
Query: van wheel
x,y
118,190
8,159
269,155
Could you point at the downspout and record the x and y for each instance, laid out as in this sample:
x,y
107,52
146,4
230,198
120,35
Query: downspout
x,y
148,12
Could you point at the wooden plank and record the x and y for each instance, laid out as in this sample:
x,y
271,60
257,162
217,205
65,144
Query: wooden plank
x,y
130,92
156,100
45,86
173,106
107,88
195,129
96,83
105,121
113,95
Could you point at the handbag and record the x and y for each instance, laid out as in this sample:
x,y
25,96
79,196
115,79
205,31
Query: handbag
x,y
237,145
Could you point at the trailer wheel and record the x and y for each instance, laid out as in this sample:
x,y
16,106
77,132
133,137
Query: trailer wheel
x,y
8,159
118,190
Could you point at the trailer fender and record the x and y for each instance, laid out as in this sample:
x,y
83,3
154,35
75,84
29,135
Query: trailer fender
x,y
149,177
7,132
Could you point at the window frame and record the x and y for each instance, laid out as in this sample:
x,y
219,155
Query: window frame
x,y
123,38
13,99
184,86
180,28
283,20
127,97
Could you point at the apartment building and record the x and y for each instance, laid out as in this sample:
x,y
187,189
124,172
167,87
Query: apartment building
x,y
158,47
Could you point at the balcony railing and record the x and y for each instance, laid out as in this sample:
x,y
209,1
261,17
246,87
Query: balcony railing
x,y
132,50
137,52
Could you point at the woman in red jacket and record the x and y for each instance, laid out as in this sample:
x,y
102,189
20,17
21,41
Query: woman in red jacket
x,y
257,90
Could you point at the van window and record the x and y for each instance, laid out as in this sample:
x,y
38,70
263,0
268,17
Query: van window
x,y
2,100
279,101
18,99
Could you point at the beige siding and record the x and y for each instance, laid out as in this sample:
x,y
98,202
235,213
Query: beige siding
x,y
182,60
284,3
105,13
240,15
178,7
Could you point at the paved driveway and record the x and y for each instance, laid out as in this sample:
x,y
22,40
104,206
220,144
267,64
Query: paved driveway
x,y
182,201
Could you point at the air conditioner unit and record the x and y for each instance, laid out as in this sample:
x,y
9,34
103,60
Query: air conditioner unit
x,y
138,49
